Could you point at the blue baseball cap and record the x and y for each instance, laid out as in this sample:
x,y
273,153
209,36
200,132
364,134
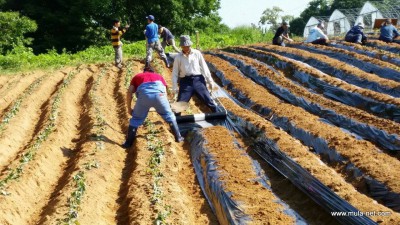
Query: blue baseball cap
x,y
150,17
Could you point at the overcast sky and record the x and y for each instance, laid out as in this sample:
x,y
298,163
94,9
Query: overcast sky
x,y
245,12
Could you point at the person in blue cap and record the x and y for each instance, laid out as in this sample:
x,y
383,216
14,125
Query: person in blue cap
x,y
151,91
388,32
153,42
356,34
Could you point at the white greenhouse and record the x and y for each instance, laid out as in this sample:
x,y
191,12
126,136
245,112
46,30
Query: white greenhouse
x,y
341,21
314,21
376,10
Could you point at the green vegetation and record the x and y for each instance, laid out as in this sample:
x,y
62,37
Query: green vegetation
x,y
15,173
12,112
22,58
74,201
155,144
14,27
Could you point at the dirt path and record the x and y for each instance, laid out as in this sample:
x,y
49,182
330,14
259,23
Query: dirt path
x,y
361,116
41,176
312,163
14,87
348,69
20,129
362,153
379,97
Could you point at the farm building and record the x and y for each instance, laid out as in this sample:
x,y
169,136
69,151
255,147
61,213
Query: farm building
x,y
341,21
312,22
376,10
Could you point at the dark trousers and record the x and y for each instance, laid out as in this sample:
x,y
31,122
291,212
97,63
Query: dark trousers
x,y
320,41
196,84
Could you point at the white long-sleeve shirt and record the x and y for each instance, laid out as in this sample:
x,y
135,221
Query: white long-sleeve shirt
x,y
316,33
193,64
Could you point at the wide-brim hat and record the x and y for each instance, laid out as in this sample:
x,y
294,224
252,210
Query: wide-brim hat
x,y
185,40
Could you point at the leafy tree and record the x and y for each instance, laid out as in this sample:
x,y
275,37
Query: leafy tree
x,y
14,27
76,25
347,4
297,26
272,16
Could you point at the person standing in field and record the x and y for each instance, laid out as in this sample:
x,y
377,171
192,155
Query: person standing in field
x,y
151,91
282,35
192,70
168,38
388,32
116,33
356,34
153,43
317,36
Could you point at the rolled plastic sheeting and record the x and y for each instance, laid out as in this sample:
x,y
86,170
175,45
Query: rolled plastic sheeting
x,y
350,78
376,189
382,138
383,57
201,117
384,110
368,67
227,210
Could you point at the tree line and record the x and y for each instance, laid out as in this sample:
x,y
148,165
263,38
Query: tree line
x,y
75,25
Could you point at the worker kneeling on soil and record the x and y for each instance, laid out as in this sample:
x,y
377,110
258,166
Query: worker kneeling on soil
x,y
317,36
281,35
191,68
388,32
150,89
356,34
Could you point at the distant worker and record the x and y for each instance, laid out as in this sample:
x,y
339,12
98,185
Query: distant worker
x,y
150,89
281,35
317,36
356,34
153,42
116,33
192,70
388,32
168,38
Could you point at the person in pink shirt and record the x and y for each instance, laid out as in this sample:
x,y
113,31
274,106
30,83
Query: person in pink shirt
x,y
151,91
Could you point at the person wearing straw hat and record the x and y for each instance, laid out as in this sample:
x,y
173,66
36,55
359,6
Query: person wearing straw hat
x,y
193,74
151,91
356,34
388,32
282,35
317,36
153,43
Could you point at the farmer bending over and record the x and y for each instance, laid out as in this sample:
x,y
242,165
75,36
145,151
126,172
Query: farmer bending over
x,y
150,89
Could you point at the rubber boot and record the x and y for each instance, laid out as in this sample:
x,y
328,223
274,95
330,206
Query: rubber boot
x,y
175,130
130,137
147,64
166,63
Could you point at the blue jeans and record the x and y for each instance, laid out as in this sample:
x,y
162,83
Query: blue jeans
x,y
355,38
196,84
147,100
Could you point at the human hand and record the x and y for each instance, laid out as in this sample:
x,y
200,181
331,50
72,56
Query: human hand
x,y
127,26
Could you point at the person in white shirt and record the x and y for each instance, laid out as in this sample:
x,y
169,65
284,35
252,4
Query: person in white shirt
x,y
317,36
191,68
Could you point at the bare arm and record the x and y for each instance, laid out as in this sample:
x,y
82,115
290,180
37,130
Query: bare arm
x,y
129,94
